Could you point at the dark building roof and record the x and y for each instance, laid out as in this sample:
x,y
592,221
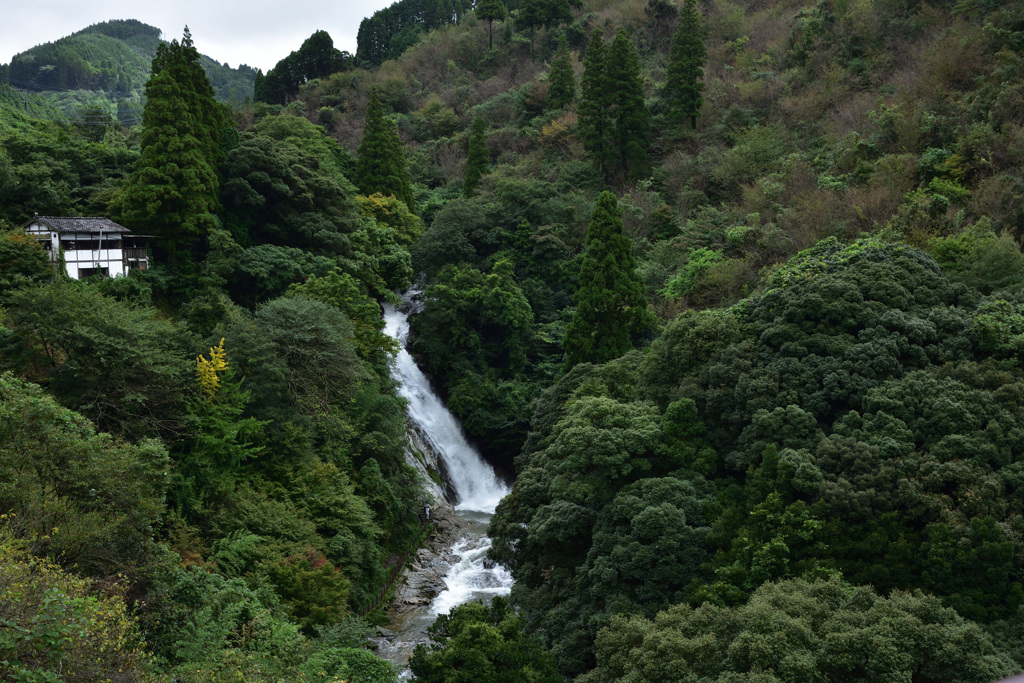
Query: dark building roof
x,y
83,224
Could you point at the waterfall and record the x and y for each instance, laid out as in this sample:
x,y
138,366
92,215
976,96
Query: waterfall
x,y
466,571
477,486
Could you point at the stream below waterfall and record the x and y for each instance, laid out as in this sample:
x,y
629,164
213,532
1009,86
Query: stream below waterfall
x,y
458,571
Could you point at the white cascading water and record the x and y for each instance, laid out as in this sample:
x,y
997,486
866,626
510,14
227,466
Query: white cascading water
x,y
477,487
475,481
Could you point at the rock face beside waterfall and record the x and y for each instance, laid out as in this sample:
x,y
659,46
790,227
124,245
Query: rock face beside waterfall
x,y
422,457
424,580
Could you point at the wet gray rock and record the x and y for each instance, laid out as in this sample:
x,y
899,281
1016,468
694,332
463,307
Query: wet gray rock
x,y
422,457
424,580
420,584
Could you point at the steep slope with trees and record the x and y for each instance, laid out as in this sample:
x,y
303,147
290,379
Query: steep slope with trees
x,y
819,205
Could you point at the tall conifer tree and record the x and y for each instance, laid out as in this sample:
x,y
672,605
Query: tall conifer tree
x,y
611,310
490,11
476,162
174,189
382,167
562,81
631,121
594,125
684,82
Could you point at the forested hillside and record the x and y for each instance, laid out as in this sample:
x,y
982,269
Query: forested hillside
x,y
100,72
734,288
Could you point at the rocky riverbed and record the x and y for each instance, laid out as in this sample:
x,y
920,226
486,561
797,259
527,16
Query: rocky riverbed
x,y
410,615
452,569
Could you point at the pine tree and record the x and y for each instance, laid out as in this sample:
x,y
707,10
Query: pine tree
x,y
490,11
562,80
611,310
594,125
685,75
630,119
476,161
173,192
382,167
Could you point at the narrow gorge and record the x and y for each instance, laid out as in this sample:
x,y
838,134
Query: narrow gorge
x,y
452,568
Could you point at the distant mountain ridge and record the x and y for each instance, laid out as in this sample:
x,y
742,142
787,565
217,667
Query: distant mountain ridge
x,y
113,57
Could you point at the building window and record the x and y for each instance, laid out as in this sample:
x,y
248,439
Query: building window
x,y
86,272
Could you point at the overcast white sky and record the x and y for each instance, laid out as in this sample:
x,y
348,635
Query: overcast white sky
x,y
257,32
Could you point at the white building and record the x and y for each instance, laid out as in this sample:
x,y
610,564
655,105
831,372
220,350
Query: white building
x,y
91,246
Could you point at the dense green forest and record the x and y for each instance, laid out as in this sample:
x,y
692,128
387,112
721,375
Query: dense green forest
x,y
734,288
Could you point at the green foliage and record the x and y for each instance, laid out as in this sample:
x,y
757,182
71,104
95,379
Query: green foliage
x,y
282,199
648,544
594,122
478,159
110,62
775,542
54,170
173,192
973,568
388,32
204,623
58,627
981,259
611,313
490,11
341,290
684,346
273,193
447,240
858,415
350,664
801,631
562,78
209,460
123,367
316,58
207,626
23,262
74,494
614,123
331,160
99,57
999,326
475,642
595,460
311,589
382,167
476,331
390,212
435,120
628,114
314,339
689,278
684,79
486,317
254,275
535,14
331,415
381,261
